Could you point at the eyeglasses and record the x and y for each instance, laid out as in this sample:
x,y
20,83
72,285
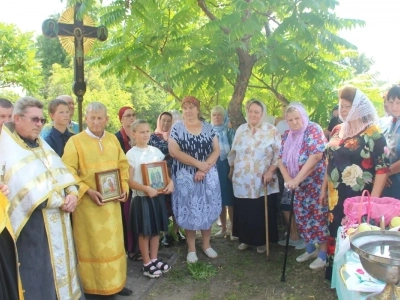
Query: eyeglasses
x,y
36,120
129,115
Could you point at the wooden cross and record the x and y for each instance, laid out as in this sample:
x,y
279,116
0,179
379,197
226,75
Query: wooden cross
x,y
51,28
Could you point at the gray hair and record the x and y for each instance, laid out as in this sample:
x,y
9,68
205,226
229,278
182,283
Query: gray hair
x,y
25,102
218,110
96,106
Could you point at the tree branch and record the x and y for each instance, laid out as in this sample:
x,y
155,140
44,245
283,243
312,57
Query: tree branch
x,y
166,89
210,15
278,95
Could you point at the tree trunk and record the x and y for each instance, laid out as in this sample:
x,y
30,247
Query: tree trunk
x,y
246,64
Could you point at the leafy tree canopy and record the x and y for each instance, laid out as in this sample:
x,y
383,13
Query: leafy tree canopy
x,y
229,51
18,66
147,101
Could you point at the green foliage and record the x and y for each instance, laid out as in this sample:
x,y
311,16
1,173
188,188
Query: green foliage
x,y
187,47
202,270
9,95
18,66
147,101
49,52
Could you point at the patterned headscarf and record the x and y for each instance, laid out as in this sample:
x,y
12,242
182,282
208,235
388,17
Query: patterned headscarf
x,y
294,140
361,115
222,132
158,130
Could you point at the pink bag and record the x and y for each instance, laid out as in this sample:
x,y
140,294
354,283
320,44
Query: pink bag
x,y
374,208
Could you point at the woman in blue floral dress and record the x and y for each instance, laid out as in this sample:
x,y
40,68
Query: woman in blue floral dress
x,y
356,159
196,200
303,167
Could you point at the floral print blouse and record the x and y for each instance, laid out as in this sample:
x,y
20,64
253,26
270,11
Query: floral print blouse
x,y
352,166
252,155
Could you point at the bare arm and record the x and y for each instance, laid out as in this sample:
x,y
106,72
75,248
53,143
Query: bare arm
x,y
212,159
379,184
176,152
324,189
305,171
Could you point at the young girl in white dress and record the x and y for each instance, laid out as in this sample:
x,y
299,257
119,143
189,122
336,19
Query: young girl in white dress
x,y
148,213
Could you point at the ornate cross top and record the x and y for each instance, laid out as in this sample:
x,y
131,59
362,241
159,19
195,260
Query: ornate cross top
x,y
77,37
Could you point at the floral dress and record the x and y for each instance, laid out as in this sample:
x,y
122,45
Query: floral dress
x,y
196,204
352,166
311,217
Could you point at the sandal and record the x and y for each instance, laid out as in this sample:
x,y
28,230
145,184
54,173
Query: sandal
x,y
151,271
210,252
162,266
135,256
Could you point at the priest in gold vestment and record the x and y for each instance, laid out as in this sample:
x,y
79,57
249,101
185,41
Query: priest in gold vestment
x,y
97,226
10,285
42,193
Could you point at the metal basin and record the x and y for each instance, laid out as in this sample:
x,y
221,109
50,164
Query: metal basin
x,y
379,253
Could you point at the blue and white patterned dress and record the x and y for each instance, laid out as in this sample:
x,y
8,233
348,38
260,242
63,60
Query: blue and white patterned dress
x,y
196,205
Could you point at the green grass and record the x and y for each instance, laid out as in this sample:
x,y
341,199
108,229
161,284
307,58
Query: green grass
x,y
237,275
202,270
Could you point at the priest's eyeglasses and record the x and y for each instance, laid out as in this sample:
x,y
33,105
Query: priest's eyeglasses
x,y
36,120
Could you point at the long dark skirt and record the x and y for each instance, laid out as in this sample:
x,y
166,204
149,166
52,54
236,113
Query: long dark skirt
x,y
249,220
148,216
8,267
130,240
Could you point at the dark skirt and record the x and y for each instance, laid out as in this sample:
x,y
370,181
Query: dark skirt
x,y
225,183
8,267
249,220
148,216
130,240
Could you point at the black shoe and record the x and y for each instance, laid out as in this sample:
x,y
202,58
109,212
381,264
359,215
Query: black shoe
x,y
181,236
166,241
125,292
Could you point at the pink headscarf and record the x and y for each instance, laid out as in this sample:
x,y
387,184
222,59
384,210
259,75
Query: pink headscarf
x,y
158,130
294,141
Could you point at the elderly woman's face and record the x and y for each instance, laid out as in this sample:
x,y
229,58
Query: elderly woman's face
x,y
254,114
165,122
344,107
394,106
294,120
217,118
128,118
190,111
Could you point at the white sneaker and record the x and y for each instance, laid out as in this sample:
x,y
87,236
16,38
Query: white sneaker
x,y
261,249
306,256
298,244
243,246
301,244
220,234
234,238
318,263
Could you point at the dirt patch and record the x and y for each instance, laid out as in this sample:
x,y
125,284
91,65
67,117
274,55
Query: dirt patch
x,y
242,275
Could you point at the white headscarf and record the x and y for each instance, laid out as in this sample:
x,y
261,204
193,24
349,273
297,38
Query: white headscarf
x,y
263,116
361,115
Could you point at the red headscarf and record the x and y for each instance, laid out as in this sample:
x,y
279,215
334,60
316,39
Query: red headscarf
x,y
122,110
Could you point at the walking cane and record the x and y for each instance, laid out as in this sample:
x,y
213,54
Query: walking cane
x,y
266,221
288,236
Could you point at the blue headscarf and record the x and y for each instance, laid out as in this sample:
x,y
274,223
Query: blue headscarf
x,y
223,138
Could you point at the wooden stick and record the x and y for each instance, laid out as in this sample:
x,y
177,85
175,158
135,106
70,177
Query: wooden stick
x,y
266,221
